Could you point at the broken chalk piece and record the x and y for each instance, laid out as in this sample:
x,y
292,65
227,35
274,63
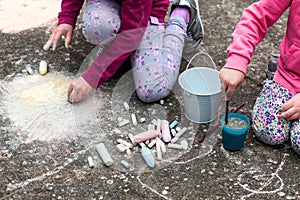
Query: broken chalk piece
x,y
128,152
148,157
124,123
177,129
126,106
43,68
173,132
91,162
125,143
29,70
103,153
152,143
143,119
174,146
125,164
133,118
121,147
184,144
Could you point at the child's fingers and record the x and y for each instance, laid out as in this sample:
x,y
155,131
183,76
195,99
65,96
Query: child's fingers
x,y
73,96
68,39
47,45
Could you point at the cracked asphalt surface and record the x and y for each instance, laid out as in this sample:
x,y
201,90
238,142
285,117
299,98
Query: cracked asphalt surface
x,y
59,170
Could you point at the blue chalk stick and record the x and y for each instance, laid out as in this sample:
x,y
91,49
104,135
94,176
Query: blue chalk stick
x,y
173,124
148,157
125,164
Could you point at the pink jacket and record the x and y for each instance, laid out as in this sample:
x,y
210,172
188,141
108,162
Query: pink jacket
x,y
135,15
253,27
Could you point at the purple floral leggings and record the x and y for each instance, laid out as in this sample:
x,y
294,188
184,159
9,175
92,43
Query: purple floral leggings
x,y
156,62
268,128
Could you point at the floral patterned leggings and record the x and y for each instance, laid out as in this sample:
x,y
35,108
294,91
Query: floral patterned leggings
x,y
268,128
156,61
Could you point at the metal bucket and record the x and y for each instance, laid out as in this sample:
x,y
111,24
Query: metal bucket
x,y
201,88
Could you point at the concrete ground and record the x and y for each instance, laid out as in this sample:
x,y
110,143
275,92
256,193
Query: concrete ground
x,y
58,169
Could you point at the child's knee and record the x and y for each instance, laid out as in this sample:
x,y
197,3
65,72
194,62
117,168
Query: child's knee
x,y
295,136
95,33
271,134
149,93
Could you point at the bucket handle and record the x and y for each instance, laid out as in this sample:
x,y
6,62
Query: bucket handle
x,y
203,53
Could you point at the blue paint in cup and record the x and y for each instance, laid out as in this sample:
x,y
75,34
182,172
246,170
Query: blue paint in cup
x,y
233,139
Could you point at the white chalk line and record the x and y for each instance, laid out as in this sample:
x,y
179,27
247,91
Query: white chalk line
x,y
267,183
179,163
11,187
151,189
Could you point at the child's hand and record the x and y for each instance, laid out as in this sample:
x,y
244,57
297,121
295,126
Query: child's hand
x,y
59,31
291,109
78,90
230,79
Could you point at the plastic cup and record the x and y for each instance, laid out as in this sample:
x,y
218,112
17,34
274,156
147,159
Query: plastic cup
x,y
234,139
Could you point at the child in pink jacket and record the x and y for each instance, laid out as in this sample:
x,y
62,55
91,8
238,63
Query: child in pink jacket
x,y
276,112
134,28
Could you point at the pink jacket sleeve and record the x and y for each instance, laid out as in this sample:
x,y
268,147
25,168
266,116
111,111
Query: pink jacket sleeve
x,y
134,15
70,10
251,29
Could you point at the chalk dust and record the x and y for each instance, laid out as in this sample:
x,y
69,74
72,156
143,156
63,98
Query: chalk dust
x,y
38,107
19,15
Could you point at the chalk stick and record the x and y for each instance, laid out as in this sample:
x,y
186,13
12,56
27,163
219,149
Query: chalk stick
x,y
147,135
103,153
165,130
148,157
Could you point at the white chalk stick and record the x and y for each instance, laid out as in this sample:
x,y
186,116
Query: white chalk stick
x,y
181,132
162,145
121,147
152,143
43,68
126,106
133,118
165,130
158,125
124,123
29,70
174,146
174,139
125,143
91,162
142,120
158,151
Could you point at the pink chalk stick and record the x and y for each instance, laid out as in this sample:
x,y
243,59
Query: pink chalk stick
x,y
147,135
158,150
165,129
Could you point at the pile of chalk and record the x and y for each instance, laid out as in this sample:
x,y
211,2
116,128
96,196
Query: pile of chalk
x,y
161,135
